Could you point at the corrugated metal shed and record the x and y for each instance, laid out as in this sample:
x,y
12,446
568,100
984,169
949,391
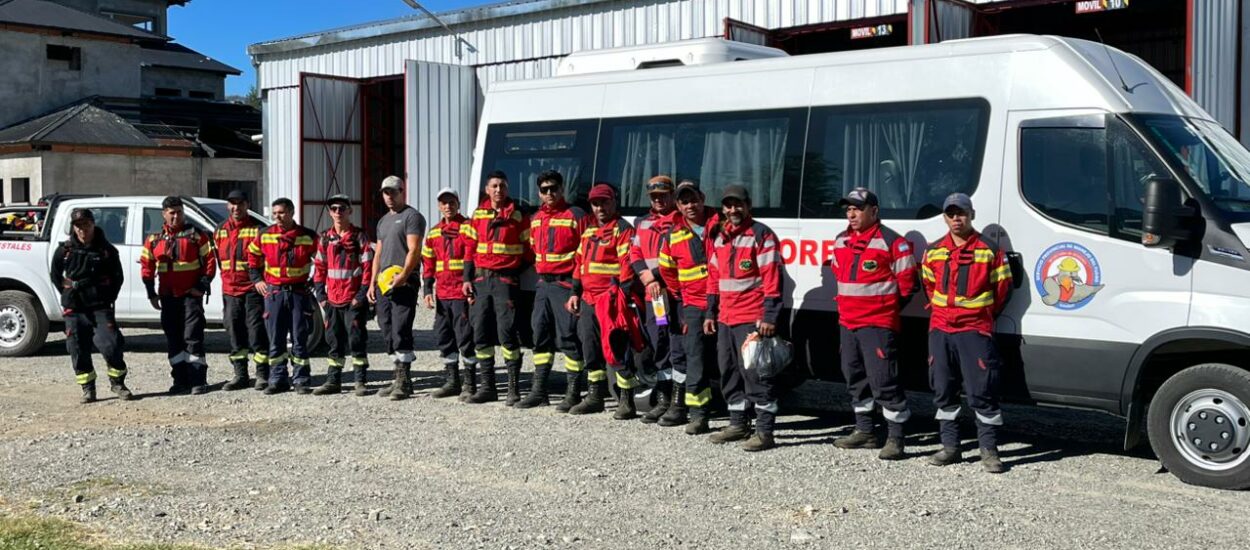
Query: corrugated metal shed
x,y
1214,70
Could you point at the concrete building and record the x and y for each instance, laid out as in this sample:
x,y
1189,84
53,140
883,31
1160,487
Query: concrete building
x,y
98,99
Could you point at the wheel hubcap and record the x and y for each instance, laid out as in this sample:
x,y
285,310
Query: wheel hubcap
x,y
12,326
1211,429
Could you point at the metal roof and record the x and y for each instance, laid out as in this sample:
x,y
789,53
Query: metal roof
x,y
415,23
177,56
38,13
82,124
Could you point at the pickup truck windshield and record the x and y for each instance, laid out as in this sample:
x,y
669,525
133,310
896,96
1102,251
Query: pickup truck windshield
x,y
1213,158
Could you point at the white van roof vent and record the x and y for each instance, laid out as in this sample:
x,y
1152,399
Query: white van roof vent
x,y
701,51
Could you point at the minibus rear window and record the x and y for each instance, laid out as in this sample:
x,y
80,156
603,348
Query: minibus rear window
x,y
524,150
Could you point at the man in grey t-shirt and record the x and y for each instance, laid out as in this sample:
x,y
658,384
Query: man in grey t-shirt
x,y
399,246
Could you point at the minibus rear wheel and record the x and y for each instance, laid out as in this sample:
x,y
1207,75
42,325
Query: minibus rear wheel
x,y
1199,426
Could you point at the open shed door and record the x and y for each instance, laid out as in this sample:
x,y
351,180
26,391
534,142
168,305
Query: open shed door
x,y
440,117
331,146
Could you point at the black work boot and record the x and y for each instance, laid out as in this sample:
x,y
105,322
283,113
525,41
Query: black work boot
x,y
262,377
990,461
451,385
946,457
486,391
858,440
664,400
514,383
118,387
737,430
240,379
676,415
594,399
698,422
333,384
625,407
88,393
894,449
395,381
468,382
572,394
762,439
537,396
402,388
362,378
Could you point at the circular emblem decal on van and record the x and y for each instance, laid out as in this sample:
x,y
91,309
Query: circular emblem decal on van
x,y
1067,276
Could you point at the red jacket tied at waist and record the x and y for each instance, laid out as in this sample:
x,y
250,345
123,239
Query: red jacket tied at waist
x,y
614,316
233,238
875,271
343,265
497,240
603,259
283,257
649,231
744,274
182,260
442,259
683,260
555,233
967,285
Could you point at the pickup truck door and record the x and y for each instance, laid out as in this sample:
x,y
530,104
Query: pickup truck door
x,y
120,227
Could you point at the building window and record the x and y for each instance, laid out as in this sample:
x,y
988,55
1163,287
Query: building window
x,y
21,191
202,95
143,22
68,54
168,92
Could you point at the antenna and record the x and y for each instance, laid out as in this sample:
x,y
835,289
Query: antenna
x,y
1107,49
417,6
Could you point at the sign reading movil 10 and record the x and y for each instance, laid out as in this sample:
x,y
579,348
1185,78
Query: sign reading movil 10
x,y
1095,6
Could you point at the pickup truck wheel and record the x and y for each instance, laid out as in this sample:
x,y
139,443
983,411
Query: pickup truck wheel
x,y
1199,426
23,324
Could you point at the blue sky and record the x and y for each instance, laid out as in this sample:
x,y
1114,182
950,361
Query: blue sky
x,y
222,29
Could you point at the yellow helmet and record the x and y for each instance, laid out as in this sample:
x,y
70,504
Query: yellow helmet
x,y
387,276
1068,265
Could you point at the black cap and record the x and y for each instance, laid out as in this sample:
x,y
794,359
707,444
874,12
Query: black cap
x,y
735,191
687,186
859,197
81,215
237,196
339,199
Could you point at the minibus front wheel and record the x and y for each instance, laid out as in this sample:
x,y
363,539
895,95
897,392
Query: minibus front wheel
x,y
1199,426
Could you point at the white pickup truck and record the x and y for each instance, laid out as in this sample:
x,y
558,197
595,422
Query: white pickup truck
x,y
30,305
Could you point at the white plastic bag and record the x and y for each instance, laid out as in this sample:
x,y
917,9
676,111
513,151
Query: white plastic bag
x,y
768,356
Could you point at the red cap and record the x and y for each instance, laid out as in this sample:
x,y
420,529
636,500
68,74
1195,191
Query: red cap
x,y
602,191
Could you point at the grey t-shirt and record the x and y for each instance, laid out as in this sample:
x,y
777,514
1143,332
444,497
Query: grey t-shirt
x,y
393,231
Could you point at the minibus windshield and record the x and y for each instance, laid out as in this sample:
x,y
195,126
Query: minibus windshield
x,y
1216,162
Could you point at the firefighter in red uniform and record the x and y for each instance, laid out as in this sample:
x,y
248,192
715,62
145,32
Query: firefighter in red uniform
x,y
875,273
442,264
280,265
498,239
182,258
968,281
683,267
342,269
601,283
744,297
644,257
555,233
244,307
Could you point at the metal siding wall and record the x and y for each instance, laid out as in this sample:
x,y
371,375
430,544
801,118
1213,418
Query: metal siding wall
x,y
440,120
282,140
1244,71
1215,59
954,21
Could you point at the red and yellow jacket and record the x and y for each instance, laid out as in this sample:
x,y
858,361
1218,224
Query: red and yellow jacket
x,y
603,258
497,240
343,266
683,260
442,259
183,260
967,285
555,233
283,257
875,271
233,238
744,274
649,232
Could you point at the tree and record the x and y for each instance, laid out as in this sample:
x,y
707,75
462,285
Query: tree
x,y
253,97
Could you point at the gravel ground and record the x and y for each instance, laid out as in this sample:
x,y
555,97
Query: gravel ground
x,y
243,470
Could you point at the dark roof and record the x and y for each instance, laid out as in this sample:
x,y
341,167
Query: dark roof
x,y
38,13
169,54
215,128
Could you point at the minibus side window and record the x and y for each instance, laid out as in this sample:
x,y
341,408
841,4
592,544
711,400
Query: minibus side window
x,y
911,154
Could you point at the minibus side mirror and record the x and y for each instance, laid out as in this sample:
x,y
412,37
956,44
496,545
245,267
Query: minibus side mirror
x,y
1165,218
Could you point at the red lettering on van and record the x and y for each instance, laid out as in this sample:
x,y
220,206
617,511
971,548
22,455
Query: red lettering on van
x,y
807,252
804,251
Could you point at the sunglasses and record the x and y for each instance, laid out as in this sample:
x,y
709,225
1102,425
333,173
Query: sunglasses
x,y
548,189
339,208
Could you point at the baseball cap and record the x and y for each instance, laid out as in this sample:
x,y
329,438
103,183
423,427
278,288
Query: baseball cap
x,y
660,184
447,191
236,196
393,182
958,200
81,215
735,191
687,186
339,199
859,197
601,191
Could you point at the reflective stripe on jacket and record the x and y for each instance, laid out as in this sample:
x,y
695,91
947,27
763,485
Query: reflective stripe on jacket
x,y
283,257
603,258
967,285
343,265
497,240
555,233
180,260
744,275
442,259
233,238
875,271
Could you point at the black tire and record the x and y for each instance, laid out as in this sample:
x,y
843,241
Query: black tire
x,y
1210,401
23,324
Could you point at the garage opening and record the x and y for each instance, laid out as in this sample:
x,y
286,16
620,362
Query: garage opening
x,y
383,142
843,36
1153,30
